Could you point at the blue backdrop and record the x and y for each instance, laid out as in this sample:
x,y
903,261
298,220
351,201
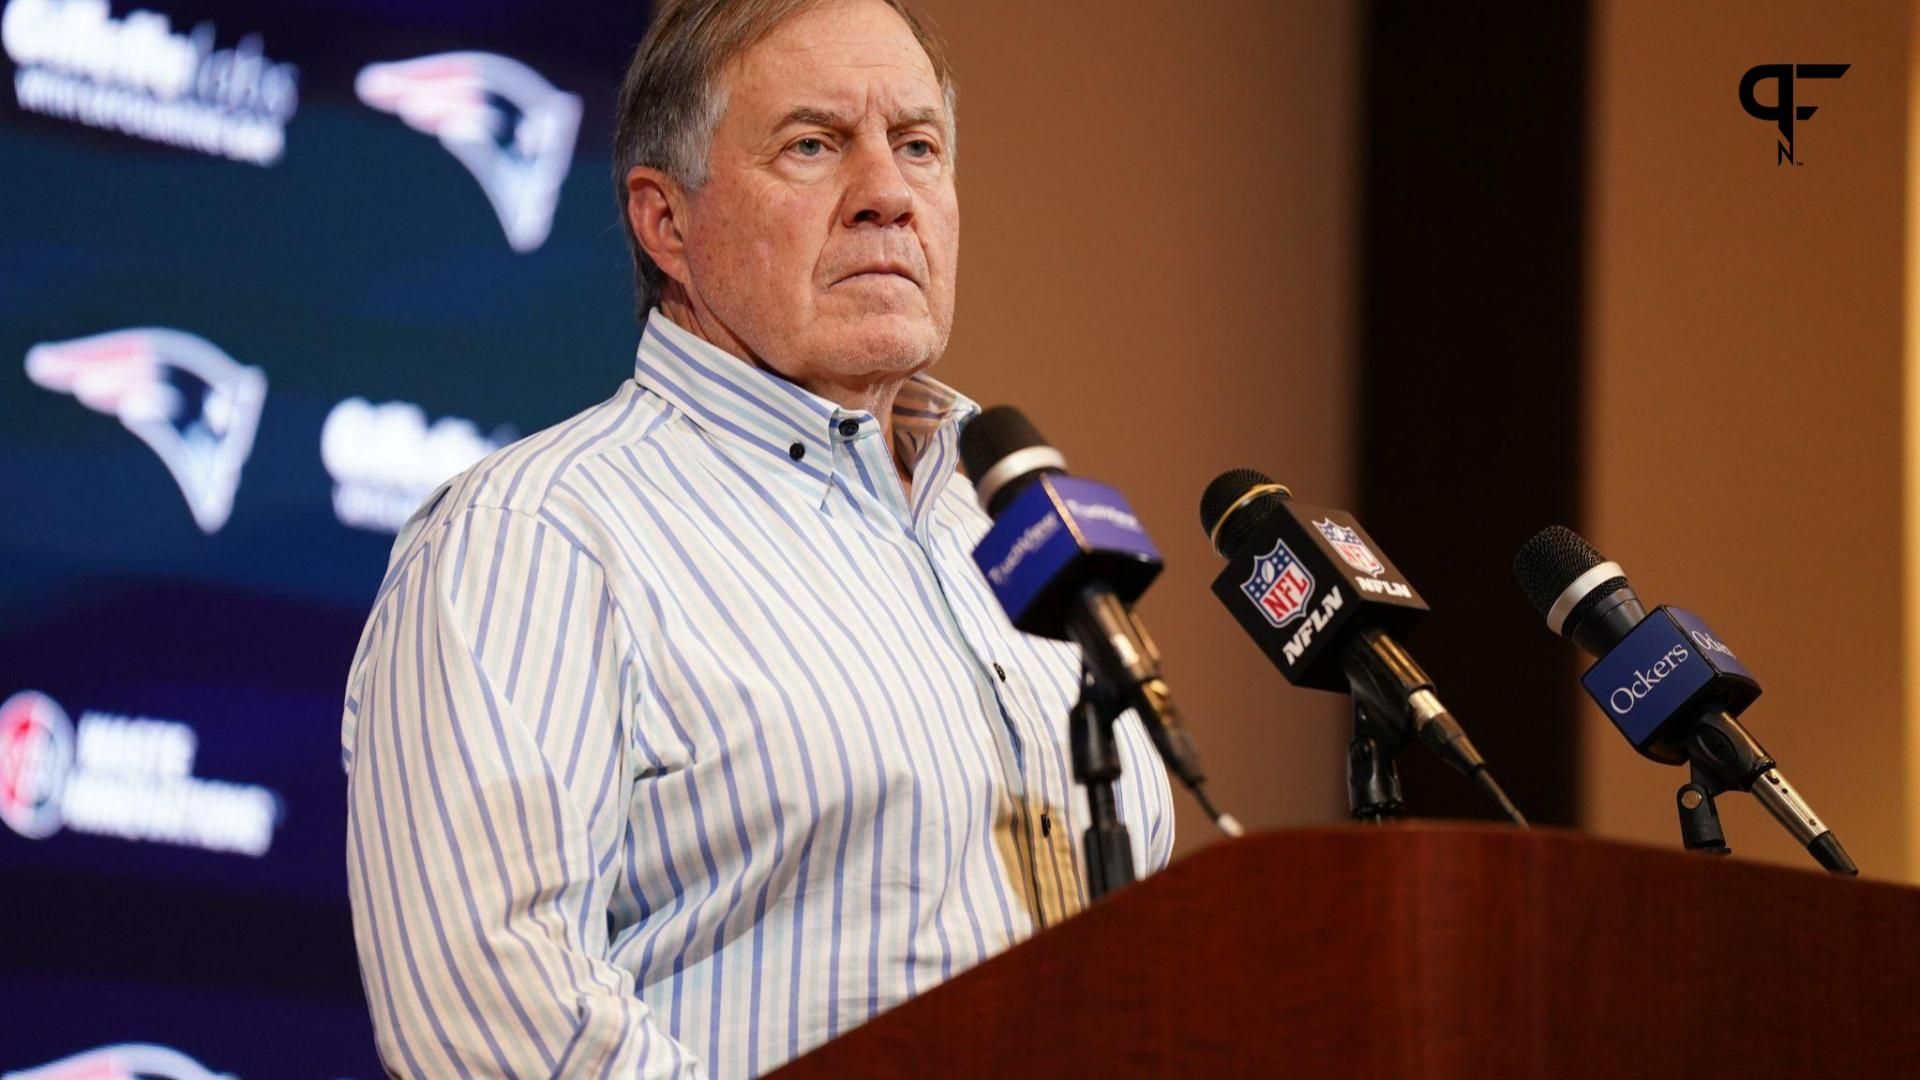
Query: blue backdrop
x,y
268,273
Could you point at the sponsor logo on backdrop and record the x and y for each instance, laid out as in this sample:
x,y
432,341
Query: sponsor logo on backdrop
x,y
121,776
139,76
1782,113
124,1061
511,128
195,406
36,752
1279,585
1350,547
386,459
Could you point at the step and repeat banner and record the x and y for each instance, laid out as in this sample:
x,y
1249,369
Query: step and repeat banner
x,y
269,273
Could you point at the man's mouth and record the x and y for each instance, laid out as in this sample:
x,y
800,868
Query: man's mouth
x,y
880,272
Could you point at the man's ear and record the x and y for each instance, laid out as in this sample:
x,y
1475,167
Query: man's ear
x,y
655,208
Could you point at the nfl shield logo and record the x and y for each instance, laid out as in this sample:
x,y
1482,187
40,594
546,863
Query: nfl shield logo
x,y
1280,586
1347,543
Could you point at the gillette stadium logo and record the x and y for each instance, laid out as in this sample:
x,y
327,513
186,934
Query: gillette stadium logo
x,y
193,405
121,776
122,1061
138,76
511,128
385,459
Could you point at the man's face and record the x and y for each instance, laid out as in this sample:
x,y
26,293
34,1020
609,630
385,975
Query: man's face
x,y
827,234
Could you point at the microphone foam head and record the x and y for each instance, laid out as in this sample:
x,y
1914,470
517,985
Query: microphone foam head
x,y
991,436
1551,562
1220,499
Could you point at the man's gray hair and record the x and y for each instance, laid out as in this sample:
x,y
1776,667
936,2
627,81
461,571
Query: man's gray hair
x,y
670,102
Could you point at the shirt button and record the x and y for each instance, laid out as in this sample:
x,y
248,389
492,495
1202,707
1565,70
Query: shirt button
x,y
1000,671
1046,824
796,451
849,428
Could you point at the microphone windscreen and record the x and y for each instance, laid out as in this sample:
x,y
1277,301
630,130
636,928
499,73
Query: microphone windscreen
x,y
991,436
1550,562
1226,490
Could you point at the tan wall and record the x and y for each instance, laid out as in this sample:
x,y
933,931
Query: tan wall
x,y
1745,449
1158,204
1160,207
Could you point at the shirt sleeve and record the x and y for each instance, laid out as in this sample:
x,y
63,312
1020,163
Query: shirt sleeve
x,y
488,779
1143,778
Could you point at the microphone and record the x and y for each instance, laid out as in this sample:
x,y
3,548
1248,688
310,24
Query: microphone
x,y
1311,589
1666,681
1067,557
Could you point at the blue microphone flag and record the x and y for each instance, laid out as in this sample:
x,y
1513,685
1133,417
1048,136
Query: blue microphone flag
x,y
1050,533
1669,666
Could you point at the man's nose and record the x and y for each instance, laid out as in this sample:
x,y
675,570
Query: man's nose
x,y
877,192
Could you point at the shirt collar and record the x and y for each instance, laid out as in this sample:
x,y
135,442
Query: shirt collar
x,y
786,428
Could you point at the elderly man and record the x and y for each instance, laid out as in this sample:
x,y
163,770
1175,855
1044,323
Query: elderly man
x,y
685,735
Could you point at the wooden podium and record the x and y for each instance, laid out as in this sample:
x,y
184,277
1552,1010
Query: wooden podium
x,y
1426,950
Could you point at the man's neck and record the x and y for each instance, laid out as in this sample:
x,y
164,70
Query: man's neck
x,y
876,397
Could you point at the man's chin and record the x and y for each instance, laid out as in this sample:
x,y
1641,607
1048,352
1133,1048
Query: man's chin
x,y
885,342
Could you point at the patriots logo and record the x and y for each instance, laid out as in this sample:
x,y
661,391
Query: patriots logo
x,y
1279,585
126,1061
511,128
1349,546
195,406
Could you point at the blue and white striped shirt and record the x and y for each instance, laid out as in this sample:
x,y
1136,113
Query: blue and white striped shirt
x,y
679,740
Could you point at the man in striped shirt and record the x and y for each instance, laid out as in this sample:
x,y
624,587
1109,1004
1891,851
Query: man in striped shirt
x,y
685,735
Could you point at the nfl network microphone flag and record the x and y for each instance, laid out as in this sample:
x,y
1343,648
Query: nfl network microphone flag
x,y
1670,666
1300,577
1062,533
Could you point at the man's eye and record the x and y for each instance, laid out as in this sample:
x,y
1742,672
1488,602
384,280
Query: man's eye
x,y
919,148
810,147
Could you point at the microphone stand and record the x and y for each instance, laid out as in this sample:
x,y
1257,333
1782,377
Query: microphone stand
x,y
1392,700
1699,820
1724,757
1096,767
1373,780
1379,678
